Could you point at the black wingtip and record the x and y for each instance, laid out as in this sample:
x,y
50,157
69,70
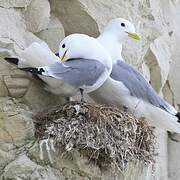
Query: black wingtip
x,y
178,116
57,54
12,60
34,71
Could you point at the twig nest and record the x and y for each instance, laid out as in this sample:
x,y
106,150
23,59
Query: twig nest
x,y
107,135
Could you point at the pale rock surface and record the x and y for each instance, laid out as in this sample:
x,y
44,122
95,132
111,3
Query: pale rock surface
x,y
37,15
173,159
12,28
14,3
158,59
53,34
161,165
74,17
16,130
25,168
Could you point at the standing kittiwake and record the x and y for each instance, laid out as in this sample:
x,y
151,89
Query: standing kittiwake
x,y
85,64
127,87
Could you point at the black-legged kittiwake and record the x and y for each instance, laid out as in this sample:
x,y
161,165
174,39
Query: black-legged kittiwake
x,y
127,87
85,65
36,55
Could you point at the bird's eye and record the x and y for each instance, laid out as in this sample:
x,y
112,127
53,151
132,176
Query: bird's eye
x,y
63,46
123,25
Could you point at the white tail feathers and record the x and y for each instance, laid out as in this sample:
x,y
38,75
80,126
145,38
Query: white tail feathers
x,y
157,117
162,119
37,55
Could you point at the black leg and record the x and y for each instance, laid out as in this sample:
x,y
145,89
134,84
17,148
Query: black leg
x,y
82,97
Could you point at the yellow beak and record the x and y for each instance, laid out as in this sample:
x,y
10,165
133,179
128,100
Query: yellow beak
x,y
63,57
134,36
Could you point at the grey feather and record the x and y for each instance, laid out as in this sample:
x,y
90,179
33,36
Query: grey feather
x,y
138,86
77,72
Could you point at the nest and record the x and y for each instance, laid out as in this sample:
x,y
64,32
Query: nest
x,y
106,135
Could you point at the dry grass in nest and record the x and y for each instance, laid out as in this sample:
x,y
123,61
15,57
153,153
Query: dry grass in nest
x,y
105,134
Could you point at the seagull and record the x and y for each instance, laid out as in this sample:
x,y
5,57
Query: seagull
x,y
83,64
127,87
36,55
116,32
39,54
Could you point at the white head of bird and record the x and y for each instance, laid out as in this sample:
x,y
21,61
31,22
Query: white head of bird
x,y
85,47
114,35
122,29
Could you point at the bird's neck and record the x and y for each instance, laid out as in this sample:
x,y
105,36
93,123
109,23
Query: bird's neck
x,y
112,45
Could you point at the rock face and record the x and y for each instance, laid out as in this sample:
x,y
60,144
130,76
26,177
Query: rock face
x,y
25,21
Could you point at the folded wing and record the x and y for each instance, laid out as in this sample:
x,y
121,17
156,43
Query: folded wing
x,y
138,86
77,72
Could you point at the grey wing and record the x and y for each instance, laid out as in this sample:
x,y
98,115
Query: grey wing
x,y
77,72
138,86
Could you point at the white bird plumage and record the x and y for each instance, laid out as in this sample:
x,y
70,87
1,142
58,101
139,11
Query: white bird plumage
x,y
115,32
127,87
124,87
86,64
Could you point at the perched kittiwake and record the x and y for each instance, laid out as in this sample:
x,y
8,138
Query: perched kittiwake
x,y
39,54
85,64
127,87
114,34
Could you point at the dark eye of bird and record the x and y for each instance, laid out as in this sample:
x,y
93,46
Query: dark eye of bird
x,y
63,46
123,25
